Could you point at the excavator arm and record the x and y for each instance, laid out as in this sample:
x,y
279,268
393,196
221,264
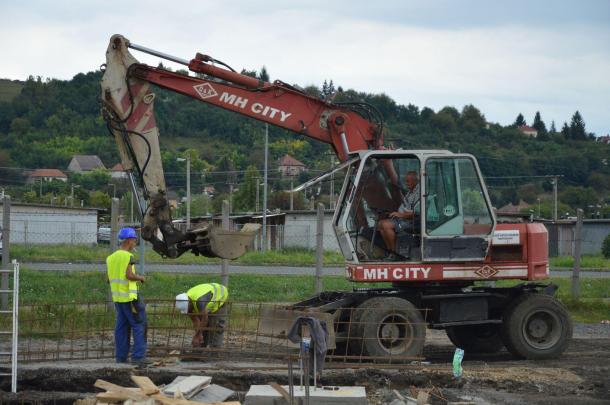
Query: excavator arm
x,y
128,108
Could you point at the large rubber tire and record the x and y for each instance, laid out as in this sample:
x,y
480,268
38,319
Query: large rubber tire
x,y
390,327
536,327
484,338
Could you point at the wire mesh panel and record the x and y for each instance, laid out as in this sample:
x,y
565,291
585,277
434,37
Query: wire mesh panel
x,y
384,334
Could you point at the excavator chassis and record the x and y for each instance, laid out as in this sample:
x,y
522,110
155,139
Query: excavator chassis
x,y
390,323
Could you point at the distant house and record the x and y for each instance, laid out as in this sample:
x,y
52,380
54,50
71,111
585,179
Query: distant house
x,y
603,139
209,191
290,166
172,199
513,209
527,130
85,163
46,175
117,172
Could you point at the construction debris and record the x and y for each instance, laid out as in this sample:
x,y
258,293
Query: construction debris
x,y
268,395
147,393
187,385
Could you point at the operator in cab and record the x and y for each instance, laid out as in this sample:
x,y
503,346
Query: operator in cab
x,y
406,219
129,306
205,304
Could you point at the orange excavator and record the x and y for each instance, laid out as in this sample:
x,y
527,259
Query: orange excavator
x,y
450,241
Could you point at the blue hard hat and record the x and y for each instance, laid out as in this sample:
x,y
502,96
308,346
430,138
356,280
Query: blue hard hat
x,y
127,233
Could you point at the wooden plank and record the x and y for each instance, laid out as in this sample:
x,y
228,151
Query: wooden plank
x,y
121,395
172,401
108,386
281,390
146,385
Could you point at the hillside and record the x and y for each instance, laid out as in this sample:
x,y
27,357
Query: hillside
x,y
9,89
44,123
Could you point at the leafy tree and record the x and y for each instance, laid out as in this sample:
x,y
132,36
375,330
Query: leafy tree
x,y
565,131
245,198
519,121
606,247
471,118
552,130
577,127
328,89
100,199
539,125
264,75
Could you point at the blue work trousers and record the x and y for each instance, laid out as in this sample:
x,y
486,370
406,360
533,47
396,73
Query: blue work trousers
x,y
130,319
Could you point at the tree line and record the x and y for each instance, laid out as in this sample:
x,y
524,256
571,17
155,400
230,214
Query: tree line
x,y
49,121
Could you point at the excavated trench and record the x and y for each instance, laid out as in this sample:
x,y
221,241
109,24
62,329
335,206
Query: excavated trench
x,y
580,376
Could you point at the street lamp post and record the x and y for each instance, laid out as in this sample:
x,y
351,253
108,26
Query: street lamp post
x,y
188,188
72,193
113,189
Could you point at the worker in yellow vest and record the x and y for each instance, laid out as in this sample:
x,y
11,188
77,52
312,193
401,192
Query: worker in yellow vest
x,y
205,304
130,310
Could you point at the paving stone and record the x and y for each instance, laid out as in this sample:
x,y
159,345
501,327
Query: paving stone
x,y
213,393
267,395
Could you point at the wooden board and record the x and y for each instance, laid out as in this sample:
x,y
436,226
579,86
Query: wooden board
x,y
146,385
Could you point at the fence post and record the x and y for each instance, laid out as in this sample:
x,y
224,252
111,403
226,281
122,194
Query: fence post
x,y
6,248
577,250
224,263
114,233
319,248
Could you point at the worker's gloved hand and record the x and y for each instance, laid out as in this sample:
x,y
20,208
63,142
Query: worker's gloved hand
x,y
197,340
142,279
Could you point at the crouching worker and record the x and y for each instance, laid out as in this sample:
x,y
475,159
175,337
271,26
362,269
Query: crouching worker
x,y
130,310
205,304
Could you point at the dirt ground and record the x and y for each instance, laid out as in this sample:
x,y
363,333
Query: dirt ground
x,y
580,376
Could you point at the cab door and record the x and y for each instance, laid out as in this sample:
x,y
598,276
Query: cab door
x,y
458,221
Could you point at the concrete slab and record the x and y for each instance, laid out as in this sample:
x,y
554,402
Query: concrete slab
x,y
213,393
266,395
187,385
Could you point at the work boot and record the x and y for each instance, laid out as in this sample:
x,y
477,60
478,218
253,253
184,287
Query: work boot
x,y
141,363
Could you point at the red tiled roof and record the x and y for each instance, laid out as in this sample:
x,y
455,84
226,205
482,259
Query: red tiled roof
x,y
524,128
47,173
288,160
117,168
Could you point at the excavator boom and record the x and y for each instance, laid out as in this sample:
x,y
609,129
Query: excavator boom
x,y
128,108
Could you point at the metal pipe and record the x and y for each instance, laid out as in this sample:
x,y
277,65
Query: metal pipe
x,y
157,53
15,343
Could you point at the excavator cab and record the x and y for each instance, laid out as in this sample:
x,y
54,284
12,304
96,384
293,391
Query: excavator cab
x,y
452,218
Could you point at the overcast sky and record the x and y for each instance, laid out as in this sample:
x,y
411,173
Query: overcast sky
x,y
519,56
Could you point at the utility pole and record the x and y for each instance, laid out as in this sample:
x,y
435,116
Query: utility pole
x,y
188,188
258,185
577,251
231,197
264,245
555,181
6,249
291,195
332,184
188,191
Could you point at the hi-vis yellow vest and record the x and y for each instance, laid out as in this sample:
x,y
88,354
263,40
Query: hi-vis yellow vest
x,y
123,290
220,293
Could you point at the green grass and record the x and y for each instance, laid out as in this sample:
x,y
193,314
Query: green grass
x,y
45,288
9,89
75,254
586,261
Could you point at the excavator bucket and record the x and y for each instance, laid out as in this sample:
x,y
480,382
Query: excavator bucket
x,y
213,241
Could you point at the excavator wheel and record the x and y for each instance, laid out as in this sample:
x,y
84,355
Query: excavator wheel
x,y
387,327
483,338
536,326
